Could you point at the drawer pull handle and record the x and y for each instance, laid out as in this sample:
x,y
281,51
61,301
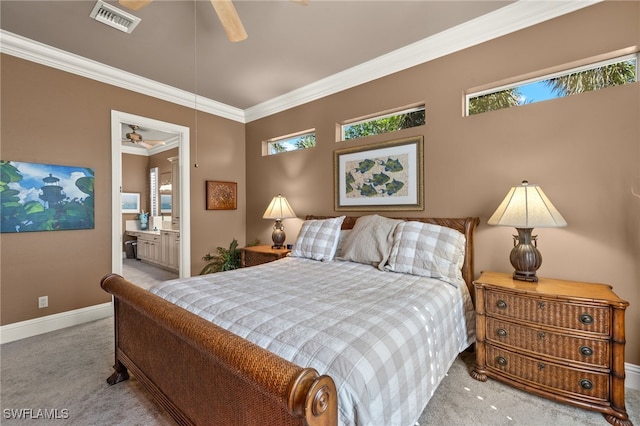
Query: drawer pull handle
x,y
501,361
501,332
586,319
541,335
501,304
586,351
586,384
540,305
540,366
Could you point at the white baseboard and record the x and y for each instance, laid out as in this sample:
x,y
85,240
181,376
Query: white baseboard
x,y
23,329
632,373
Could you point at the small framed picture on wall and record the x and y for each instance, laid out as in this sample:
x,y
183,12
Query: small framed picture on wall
x,y
221,195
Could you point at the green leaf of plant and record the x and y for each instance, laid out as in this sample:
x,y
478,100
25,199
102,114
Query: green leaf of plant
x,y
32,207
85,184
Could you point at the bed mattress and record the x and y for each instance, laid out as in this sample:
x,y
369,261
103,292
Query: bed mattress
x,y
387,339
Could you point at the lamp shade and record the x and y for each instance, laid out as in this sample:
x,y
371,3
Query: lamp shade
x,y
279,208
526,206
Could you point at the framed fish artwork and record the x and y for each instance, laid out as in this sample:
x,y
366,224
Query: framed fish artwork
x,y
384,176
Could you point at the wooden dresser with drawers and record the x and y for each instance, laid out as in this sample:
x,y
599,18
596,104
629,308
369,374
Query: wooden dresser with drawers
x,y
562,340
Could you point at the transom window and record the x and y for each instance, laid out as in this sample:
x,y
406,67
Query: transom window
x,y
302,140
384,123
614,72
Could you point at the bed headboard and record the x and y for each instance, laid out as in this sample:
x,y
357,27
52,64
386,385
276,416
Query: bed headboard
x,y
466,225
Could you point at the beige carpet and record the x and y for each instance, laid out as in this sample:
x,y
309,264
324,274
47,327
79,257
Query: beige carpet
x,y
461,400
66,370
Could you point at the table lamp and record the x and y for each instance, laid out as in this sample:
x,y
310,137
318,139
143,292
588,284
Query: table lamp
x,y
278,209
526,207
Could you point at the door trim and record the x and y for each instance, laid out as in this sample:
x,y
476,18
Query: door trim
x,y
117,118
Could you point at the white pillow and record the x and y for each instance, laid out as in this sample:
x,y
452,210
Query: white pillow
x,y
428,250
370,240
318,239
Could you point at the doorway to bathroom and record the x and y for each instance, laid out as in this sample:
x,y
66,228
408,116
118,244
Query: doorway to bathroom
x,y
180,225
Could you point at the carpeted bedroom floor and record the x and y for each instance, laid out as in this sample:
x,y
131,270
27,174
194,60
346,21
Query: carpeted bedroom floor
x,y
65,372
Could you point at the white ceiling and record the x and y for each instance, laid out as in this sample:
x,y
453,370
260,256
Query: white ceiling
x,y
294,53
290,45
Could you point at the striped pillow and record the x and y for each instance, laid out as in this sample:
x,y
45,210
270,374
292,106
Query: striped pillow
x,y
318,239
428,250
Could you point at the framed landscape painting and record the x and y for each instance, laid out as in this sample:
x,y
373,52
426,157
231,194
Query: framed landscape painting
x,y
384,176
130,202
45,197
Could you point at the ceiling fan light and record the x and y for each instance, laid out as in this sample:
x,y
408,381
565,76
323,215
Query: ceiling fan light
x,y
134,137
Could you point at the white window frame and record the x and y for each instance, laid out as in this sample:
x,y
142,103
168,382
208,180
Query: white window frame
x,y
154,195
266,145
379,116
550,76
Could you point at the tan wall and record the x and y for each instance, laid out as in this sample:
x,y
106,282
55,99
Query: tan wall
x,y
583,150
53,117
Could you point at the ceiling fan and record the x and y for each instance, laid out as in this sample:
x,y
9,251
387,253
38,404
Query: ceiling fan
x,y
224,8
136,138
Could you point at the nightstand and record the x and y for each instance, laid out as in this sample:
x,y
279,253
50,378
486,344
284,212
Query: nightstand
x,y
561,340
257,255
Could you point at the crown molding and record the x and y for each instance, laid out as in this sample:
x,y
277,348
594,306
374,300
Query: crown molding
x,y
516,16
147,152
30,50
511,18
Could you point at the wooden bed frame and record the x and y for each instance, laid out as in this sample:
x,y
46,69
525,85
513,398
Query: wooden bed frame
x,y
202,374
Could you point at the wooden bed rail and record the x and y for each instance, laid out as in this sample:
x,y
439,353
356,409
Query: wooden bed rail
x,y
205,375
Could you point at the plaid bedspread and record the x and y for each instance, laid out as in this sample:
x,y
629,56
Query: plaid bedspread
x,y
387,339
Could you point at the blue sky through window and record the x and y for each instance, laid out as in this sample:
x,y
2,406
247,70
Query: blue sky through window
x,y
624,69
535,92
292,143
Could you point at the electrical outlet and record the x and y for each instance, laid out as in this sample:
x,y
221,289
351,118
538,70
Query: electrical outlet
x,y
43,301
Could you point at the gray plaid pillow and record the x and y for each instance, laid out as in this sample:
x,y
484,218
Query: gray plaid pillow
x,y
428,250
318,239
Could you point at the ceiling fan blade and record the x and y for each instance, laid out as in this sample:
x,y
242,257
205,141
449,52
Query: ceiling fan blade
x,y
133,137
146,145
230,20
151,142
134,4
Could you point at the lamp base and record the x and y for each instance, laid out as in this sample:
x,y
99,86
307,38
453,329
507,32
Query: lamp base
x,y
278,236
521,277
525,257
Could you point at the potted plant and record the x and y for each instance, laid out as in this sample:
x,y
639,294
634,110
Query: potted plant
x,y
225,259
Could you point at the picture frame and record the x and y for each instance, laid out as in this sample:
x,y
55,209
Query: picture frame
x,y
383,176
40,197
130,202
221,195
